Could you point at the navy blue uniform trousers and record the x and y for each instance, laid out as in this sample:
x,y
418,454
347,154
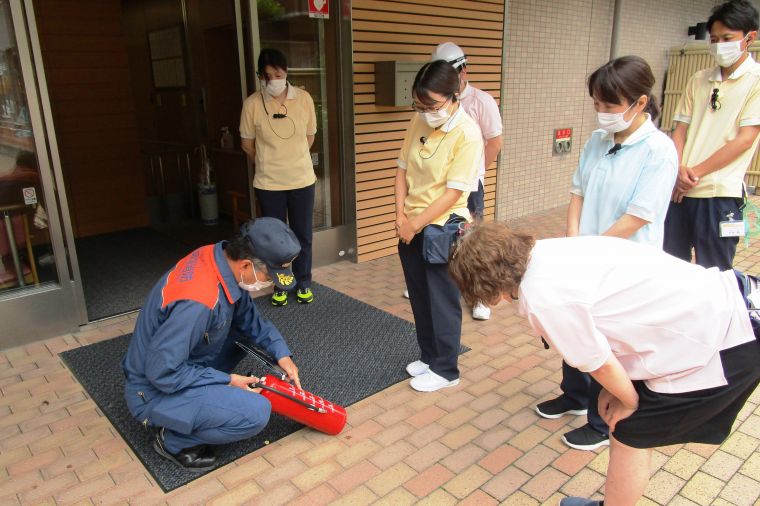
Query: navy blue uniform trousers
x,y
294,207
436,308
220,414
695,223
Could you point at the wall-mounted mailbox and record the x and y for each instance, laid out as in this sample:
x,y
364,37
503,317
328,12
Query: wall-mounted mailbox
x,y
393,82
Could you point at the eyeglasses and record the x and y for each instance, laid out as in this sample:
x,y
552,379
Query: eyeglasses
x,y
714,102
421,109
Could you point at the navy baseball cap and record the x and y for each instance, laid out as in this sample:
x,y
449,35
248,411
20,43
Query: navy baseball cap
x,y
275,245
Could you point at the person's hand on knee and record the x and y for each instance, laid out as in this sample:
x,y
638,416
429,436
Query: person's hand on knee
x,y
612,410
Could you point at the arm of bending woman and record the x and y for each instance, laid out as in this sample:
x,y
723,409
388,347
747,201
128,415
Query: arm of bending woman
x,y
619,399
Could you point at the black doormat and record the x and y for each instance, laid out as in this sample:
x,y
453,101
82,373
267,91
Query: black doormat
x,y
346,350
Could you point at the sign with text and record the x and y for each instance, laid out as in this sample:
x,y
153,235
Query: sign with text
x,y
30,195
319,9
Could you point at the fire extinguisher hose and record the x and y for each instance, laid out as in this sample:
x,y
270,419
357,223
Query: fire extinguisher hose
x,y
263,360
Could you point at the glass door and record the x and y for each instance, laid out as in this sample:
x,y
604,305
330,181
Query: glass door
x,y
37,298
285,25
317,63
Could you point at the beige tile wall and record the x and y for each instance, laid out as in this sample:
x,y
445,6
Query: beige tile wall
x,y
651,27
550,49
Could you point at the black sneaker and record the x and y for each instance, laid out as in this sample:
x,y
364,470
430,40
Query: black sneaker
x,y
585,438
559,407
579,501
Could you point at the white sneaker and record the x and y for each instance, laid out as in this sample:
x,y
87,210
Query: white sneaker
x,y
430,382
417,368
406,294
481,311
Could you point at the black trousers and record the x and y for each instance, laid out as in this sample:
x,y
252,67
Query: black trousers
x,y
695,223
583,390
436,308
294,207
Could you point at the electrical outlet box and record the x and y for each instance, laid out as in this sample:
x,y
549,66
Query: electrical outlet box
x,y
393,82
563,141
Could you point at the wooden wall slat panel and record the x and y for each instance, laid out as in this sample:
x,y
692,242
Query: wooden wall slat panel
x,y
431,20
424,10
393,47
408,30
476,5
420,39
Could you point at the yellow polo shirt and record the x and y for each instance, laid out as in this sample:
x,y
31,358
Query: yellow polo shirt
x,y
709,130
449,158
283,161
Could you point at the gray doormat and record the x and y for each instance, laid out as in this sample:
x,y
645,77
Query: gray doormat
x,y
346,350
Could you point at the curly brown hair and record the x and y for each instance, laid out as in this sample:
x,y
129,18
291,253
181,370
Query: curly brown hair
x,y
489,261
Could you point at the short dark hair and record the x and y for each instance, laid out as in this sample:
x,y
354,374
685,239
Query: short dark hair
x,y
736,15
239,247
627,77
272,57
437,77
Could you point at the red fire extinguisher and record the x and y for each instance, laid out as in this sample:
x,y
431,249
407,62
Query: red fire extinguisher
x,y
302,406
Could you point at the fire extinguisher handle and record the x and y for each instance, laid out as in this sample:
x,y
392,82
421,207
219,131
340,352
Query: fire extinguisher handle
x,y
263,360
287,396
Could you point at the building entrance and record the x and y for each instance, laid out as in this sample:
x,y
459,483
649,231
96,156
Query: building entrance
x,y
146,98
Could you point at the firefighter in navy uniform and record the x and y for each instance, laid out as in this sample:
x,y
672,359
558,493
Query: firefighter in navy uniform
x,y
179,360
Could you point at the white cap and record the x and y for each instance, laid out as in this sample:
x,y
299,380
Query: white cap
x,y
451,53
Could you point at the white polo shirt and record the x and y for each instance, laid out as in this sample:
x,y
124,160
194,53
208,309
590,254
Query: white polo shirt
x,y
709,130
482,107
664,319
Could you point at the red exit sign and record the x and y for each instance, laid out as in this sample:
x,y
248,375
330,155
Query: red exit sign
x,y
562,134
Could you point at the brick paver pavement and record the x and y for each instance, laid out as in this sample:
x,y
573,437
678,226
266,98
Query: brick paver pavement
x,y
479,443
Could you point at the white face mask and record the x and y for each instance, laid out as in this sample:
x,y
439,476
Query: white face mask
x,y
434,119
727,53
256,285
275,87
614,122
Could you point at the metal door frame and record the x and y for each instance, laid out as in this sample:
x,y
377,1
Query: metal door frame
x,y
45,311
338,242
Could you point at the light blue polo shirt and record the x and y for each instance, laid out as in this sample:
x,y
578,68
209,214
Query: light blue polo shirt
x,y
637,180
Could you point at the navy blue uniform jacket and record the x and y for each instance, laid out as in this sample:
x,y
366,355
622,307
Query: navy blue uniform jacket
x,y
187,323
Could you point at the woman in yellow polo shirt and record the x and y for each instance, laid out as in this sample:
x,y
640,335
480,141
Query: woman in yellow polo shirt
x,y
436,167
277,128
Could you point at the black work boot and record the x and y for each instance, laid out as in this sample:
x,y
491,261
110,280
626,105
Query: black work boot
x,y
196,458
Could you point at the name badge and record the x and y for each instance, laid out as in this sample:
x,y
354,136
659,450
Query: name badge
x,y
732,228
